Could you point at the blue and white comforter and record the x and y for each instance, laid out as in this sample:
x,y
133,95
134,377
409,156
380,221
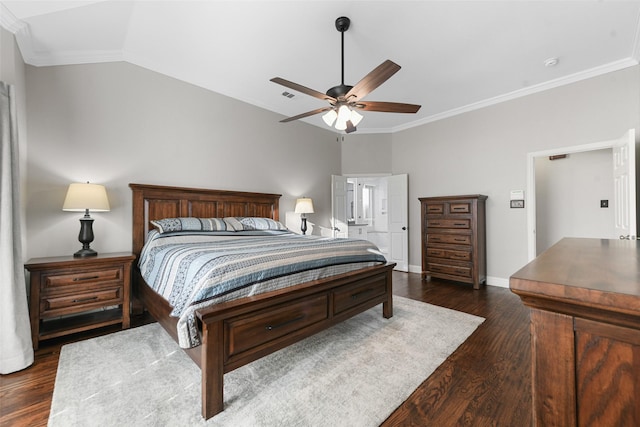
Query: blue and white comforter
x,y
194,270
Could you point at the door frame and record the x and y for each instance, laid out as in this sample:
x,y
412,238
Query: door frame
x,y
530,196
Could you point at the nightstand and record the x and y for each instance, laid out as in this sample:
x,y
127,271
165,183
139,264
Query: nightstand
x,y
70,295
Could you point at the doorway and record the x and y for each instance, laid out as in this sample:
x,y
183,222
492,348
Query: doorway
x,y
373,208
621,153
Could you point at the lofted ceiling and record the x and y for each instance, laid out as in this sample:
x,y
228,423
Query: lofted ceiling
x,y
455,55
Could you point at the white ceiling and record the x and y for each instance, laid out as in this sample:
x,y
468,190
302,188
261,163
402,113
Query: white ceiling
x,y
455,55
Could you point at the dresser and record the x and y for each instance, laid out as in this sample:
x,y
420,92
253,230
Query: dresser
x,y
584,297
69,295
453,238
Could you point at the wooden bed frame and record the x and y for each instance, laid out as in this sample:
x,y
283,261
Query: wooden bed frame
x,y
238,332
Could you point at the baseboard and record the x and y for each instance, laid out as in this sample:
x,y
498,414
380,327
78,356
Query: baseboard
x,y
497,281
491,281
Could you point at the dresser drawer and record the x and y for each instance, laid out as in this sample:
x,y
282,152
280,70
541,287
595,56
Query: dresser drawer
x,y
251,331
459,207
450,270
449,254
73,303
454,239
435,208
352,296
448,223
54,282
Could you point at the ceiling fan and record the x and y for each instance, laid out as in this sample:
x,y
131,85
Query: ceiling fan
x,y
344,100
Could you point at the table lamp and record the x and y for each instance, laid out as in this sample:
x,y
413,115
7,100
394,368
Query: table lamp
x,y
85,197
304,206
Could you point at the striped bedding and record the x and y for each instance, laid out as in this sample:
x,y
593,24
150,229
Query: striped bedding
x,y
193,270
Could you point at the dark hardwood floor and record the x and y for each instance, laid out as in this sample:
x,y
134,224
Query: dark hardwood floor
x,y
486,382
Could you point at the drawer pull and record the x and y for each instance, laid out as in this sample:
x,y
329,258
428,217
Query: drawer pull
x,y
460,223
288,322
79,279
435,223
359,294
84,299
460,240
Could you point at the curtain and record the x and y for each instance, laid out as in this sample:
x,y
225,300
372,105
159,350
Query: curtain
x,y
16,348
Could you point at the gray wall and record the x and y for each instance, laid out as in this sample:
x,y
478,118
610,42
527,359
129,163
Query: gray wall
x,y
485,151
117,123
366,153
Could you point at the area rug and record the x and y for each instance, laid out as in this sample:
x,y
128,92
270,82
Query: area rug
x,y
353,374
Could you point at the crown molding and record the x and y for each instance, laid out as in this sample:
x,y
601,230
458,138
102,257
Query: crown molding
x,y
67,58
573,78
9,21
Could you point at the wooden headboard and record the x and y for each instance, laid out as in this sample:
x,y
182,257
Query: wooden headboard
x,y
151,202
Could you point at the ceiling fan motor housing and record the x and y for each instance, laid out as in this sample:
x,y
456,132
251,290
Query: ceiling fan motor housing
x,y
339,91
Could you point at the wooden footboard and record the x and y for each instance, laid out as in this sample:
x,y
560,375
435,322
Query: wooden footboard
x,y
238,332
241,331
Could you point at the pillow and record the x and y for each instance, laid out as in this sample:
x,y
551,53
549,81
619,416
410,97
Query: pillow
x,y
253,223
168,225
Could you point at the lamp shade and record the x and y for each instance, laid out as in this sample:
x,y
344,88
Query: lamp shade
x,y
81,197
304,205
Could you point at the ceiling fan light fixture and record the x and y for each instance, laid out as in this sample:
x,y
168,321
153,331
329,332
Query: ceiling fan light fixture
x,y
341,124
344,113
355,117
330,117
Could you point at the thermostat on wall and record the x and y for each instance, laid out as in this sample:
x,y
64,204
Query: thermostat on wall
x,y
517,195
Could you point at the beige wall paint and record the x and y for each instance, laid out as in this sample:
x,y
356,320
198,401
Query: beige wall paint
x,y
485,152
117,123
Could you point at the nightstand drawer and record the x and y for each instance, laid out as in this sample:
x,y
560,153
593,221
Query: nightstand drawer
x,y
73,303
88,277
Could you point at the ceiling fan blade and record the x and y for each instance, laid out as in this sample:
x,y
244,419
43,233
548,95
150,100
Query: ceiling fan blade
x,y
374,79
303,89
387,107
307,114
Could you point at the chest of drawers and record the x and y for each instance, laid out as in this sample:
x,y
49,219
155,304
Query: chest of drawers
x,y
453,238
69,295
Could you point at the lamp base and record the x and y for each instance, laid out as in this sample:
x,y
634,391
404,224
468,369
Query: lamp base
x,y
85,252
85,237
303,226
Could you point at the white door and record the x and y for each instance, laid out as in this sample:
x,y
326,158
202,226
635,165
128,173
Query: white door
x,y
624,181
398,221
339,206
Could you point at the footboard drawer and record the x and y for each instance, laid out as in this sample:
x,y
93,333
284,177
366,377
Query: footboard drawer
x,y
247,332
347,297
